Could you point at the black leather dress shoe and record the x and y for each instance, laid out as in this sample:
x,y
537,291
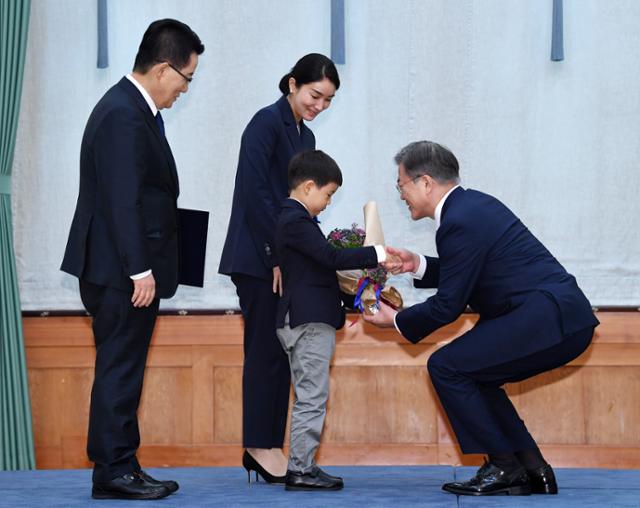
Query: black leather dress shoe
x,y
330,477
170,484
490,480
543,480
315,480
128,486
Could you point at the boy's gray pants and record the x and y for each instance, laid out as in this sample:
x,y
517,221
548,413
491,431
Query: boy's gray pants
x,y
310,348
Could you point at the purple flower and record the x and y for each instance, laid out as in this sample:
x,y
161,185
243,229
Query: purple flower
x,y
349,238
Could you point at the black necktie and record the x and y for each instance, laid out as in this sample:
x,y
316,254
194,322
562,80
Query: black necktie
x,y
160,122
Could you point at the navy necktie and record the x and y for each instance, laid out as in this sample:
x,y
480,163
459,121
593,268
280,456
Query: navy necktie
x,y
160,122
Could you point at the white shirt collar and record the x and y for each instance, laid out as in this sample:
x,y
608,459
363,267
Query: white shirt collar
x,y
440,204
305,206
145,94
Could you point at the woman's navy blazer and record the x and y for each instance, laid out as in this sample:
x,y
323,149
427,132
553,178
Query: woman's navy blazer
x,y
268,143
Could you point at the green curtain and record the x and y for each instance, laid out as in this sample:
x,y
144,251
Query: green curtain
x,y
16,436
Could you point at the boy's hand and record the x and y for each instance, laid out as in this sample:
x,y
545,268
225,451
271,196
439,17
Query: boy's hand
x,y
277,280
392,263
408,261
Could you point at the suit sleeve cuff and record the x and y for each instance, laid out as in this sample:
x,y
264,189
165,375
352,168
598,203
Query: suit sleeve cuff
x,y
395,323
139,276
381,253
422,269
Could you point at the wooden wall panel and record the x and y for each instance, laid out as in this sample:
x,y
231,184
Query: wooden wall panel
x,y
165,414
369,405
612,410
553,406
59,403
227,405
382,410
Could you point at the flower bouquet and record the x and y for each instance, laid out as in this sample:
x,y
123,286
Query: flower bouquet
x,y
363,289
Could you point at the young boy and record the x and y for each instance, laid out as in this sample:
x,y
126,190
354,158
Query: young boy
x,y
310,309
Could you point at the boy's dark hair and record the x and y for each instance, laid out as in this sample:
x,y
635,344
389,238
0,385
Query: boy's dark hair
x,y
313,165
167,40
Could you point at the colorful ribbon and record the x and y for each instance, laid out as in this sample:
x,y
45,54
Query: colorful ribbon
x,y
362,285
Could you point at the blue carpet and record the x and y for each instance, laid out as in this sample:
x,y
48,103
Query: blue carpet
x,y
396,487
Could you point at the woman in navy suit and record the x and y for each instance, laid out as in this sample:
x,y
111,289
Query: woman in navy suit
x,y
274,135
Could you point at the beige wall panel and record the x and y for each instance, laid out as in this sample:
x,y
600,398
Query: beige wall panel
x,y
203,394
383,409
60,357
618,327
397,399
552,406
612,406
59,403
227,404
593,456
166,406
198,330
376,454
190,455
46,392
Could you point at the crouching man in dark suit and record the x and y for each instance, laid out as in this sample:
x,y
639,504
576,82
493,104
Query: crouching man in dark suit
x,y
123,246
533,317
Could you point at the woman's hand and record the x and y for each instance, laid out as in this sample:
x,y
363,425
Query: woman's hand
x,y
277,280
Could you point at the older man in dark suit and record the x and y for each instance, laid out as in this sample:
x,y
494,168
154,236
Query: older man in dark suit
x,y
123,246
533,317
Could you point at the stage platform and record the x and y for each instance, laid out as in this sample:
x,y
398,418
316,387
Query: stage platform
x,y
383,486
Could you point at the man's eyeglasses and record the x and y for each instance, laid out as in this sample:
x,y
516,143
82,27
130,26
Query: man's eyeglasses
x,y
399,186
189,80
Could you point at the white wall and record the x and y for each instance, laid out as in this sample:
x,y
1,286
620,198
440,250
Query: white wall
x,y
558,142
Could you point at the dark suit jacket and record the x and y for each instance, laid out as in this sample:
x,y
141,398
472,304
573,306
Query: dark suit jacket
x,y
490,261
126,215
309,263
268,143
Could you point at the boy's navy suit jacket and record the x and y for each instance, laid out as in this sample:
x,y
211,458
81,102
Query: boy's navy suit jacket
x,y
489,260
308,264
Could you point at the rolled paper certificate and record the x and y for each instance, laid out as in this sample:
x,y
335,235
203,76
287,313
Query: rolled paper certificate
x,y
372,225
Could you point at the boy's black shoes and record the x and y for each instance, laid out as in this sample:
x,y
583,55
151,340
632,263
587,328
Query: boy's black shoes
x,y
315,480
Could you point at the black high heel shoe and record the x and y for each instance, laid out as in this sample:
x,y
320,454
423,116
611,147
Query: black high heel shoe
x,y
251,464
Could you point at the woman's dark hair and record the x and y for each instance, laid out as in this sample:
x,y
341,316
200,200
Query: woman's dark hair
x,y
309,69
167,40
313,165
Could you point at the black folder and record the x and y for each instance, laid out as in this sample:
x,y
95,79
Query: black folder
x,y
193,226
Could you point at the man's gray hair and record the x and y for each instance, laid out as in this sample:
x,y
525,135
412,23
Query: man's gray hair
x,y
429,158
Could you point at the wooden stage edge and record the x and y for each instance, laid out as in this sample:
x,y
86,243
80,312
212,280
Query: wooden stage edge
x,y
382,409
